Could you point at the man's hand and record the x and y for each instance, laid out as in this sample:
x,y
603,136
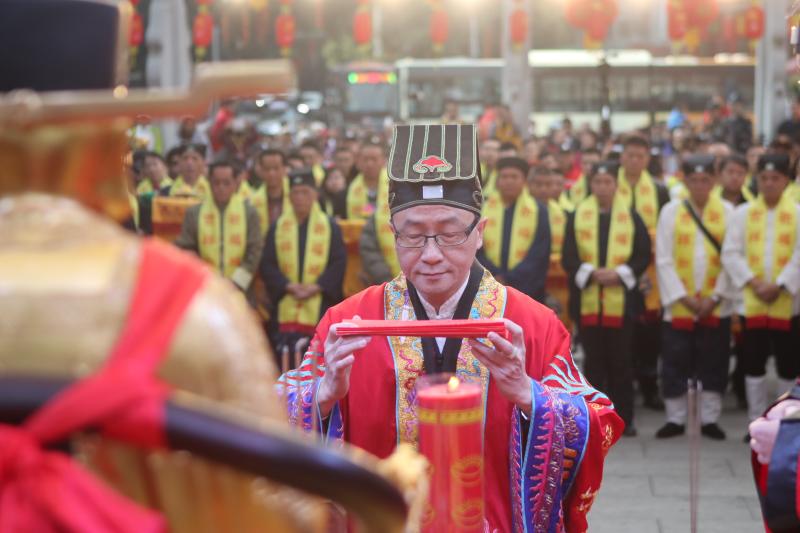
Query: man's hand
x,y
763,433
764,430
506,363
692,303
306,291
769,292
294,289
765,291
705,307
607,277
339,361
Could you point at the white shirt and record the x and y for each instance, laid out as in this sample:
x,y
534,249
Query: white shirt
x,y
670,286
446,310
734,257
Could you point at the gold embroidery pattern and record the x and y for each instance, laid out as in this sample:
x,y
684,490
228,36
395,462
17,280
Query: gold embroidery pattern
x,y
407,351
587,499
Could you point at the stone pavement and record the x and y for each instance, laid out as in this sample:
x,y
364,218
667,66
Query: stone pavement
x,y
646,482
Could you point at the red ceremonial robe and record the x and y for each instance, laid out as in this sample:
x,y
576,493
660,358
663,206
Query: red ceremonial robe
x,y
543,481
778,482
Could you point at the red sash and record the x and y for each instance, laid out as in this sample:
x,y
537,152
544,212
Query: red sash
x,y
46,491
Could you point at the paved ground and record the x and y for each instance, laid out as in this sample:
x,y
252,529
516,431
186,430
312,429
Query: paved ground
x,y
646,483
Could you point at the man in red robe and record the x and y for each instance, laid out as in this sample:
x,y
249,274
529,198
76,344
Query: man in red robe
x,y
546,430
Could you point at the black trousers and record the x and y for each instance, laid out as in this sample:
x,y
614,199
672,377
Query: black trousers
x,y
645,351
608,365
759,343
703,351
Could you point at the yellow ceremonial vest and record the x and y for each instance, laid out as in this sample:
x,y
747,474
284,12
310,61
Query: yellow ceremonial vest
x,y
646,196
357,196
778,314
747,194
146,185
673,181
385,233
685,234
295,316
603,305
558,220
523,228
223,247
793,190
579,190
245,190
201,188
259,200
565,203
319,174
489,179
133,201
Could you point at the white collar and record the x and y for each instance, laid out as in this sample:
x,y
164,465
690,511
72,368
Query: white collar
x,y
448,308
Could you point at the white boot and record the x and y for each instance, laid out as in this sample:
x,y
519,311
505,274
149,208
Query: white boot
x,y
756,390
676,409
710,407
784,386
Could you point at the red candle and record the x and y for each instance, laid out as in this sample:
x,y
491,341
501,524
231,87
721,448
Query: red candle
x,y
450,416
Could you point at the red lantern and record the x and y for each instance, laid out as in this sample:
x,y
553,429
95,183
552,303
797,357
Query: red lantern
x,y
701,13
754,22
577,12
362,24
678,22
285,28
202,30
439,28
136,36
518,24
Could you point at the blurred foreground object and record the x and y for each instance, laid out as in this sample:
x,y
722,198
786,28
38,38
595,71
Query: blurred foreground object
x,y
166,355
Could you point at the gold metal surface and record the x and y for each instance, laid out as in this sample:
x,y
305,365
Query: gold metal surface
x,y
66,278
211,81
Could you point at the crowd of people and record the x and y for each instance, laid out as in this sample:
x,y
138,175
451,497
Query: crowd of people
x,y
670,251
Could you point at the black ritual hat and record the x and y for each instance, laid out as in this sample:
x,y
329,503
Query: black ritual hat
x,y
302,176
605,167
699,164
58,45
775,162
435,164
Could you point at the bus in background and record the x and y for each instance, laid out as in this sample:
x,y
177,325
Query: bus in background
x,y
425,85
361,93
632,87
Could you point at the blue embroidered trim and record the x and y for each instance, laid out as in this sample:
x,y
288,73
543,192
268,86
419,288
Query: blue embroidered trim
x,y
543,466
515,477
335,425
576,418
779,503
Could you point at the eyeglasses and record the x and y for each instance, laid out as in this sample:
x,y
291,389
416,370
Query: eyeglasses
x,y
443,240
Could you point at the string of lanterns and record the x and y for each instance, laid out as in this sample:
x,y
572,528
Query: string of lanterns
x,y
688,22
594,17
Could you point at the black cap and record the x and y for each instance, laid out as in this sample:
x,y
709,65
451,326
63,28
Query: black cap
x,y
302,176
776,162
435,164
513,162
59,45
605,167
699,164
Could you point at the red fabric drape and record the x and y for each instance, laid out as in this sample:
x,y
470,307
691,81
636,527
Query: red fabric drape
x,y
46,491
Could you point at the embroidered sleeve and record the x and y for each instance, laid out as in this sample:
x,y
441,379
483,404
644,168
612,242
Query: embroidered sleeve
x,y
298,388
